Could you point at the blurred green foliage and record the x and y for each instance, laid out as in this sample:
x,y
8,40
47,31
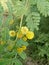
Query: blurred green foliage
x,y
36,17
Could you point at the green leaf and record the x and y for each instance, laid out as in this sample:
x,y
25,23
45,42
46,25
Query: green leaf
x,y
5,33
9,54
1,18
23,55
1,14
33,2
16,61
9,4
5,61
1,9
19,8
43,7
20,42
9,18
33,20
1,48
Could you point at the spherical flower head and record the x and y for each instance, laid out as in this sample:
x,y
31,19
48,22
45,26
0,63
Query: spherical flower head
x,y
24,30
30,35
25,38
24,47
19,50
19,35
12,33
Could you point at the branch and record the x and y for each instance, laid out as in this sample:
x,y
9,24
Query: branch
x,y
21,21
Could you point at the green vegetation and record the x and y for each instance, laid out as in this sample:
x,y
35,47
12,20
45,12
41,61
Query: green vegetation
x,y
24,25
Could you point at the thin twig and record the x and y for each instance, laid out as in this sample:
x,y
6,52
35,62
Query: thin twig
x,y
21,21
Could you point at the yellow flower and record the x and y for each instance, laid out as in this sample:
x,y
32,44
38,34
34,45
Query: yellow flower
x,y
11,22
19,35
24,47
24,38
30,35
24,30
12,33
19,50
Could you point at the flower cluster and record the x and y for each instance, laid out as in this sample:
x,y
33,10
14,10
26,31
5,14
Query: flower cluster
x,y
23,33
20,50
